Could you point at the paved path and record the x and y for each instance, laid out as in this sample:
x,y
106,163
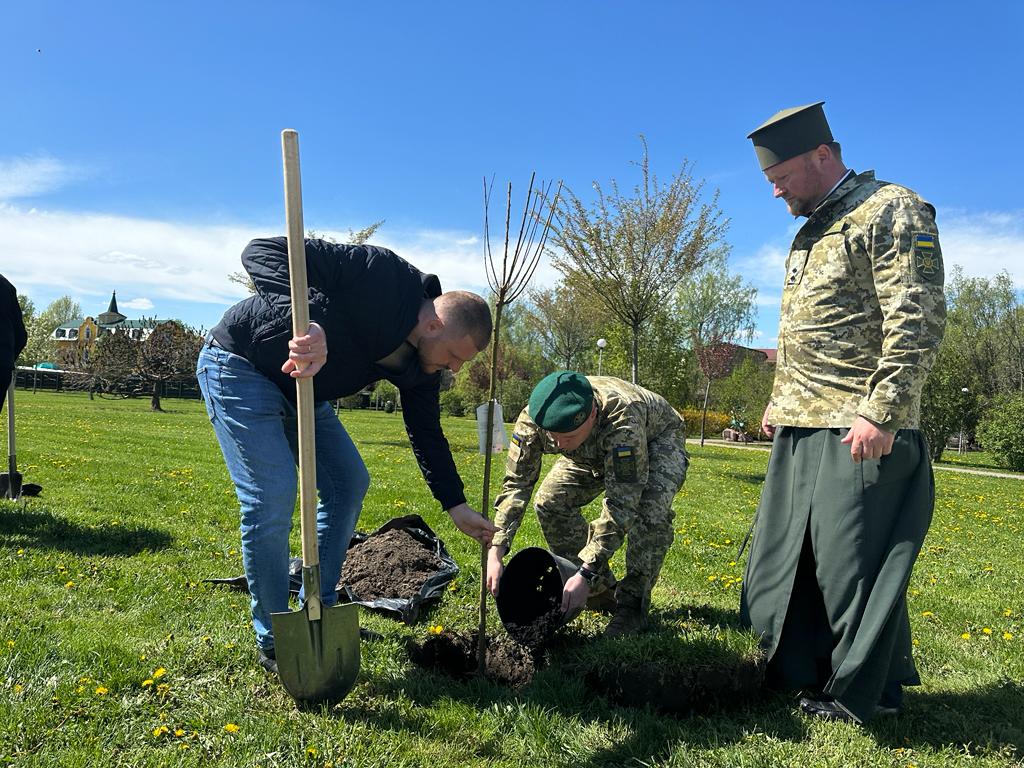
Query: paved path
x,y
767,447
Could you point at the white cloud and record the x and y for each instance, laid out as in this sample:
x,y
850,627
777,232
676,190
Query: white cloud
x,y
32,176
176,264
984,243
89,254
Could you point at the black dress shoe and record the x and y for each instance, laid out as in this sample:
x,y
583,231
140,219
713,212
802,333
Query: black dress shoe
x,y
826,708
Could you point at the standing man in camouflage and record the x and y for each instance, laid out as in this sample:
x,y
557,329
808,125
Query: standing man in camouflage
x,y
611,436
849,493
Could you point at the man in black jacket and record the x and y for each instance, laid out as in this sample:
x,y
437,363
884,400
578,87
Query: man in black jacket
x,y
382,319
12,334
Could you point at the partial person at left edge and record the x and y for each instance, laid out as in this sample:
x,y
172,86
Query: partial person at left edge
x,y
381,318
13,336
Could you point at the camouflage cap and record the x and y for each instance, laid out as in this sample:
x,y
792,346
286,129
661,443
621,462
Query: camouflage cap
x,y
789,133
561,401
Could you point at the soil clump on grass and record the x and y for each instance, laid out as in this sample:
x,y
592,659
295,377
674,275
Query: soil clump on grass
x,y
393,564
455,654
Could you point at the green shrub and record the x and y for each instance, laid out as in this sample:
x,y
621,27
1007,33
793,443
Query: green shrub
x,y
717,421
1001,431
452,403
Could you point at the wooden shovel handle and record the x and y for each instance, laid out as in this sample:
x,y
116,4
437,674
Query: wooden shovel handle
x,y
300,325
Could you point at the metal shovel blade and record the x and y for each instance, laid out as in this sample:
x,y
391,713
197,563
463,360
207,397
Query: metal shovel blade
x,y
10,485
317,658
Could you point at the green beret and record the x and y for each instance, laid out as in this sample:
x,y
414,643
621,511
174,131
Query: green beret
x,y
561,401
789,133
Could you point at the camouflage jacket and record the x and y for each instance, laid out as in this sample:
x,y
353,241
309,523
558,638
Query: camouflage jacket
x,y
863,310
629,418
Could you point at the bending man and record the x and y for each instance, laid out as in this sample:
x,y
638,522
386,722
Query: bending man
x,y
611,436
383,319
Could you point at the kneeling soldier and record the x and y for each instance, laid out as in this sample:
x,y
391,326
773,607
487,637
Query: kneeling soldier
x,y
612,436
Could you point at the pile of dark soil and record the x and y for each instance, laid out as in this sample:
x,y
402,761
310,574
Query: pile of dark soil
x,y
455,654
677,690
537,633
393,564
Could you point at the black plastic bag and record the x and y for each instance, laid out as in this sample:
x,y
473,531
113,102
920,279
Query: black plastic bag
x,y
406,610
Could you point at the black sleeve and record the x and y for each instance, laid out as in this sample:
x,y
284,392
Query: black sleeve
x,y
12,309
328,267
421,409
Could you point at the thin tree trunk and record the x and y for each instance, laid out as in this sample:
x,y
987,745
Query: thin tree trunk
x,y
704,416
636,354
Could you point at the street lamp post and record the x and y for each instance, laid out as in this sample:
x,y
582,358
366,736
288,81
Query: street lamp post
x,y
960,443
601,344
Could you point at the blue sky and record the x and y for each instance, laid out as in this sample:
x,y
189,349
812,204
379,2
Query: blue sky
x,y
141,141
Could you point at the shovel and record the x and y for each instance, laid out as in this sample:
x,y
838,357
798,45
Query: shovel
x,y
317,646
11,486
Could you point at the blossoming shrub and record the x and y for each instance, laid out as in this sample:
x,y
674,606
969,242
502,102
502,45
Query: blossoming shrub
x,y
1001,431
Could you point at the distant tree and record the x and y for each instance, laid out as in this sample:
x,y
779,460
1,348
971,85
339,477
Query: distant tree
x,y
354,238
632,251
745,393
946,409
716,311
40,347
28,317
1001,430
566,331
112,366
168,354
991,318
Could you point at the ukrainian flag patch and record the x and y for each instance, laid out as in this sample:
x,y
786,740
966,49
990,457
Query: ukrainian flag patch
x,y
926,255
624,461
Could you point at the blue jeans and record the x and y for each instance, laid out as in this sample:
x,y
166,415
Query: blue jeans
x,y
256,427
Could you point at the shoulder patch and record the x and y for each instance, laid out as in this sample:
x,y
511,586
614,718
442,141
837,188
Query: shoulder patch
x,y
926,255
624,463
515,447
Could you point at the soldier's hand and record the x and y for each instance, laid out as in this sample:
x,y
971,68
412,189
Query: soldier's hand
x,y
766,427
307,354
472,523
868,441
574,596
494,569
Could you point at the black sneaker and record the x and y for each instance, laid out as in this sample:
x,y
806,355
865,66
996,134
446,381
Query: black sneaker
x,y
268,660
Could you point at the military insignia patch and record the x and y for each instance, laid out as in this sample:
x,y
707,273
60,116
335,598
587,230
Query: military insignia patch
x,y
926,254
515,448
624,462
579,418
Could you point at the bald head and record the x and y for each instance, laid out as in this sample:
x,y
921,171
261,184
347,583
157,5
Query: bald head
x,y
465,314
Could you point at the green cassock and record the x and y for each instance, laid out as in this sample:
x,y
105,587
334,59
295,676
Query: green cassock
x,y
833,548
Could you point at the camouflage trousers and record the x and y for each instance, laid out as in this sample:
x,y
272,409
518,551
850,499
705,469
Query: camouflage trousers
x,y
568,487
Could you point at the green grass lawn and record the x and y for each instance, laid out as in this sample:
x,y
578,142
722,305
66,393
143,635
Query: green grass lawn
x,y
974,460
113,652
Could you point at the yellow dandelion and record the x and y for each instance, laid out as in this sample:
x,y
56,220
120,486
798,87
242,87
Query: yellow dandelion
x,y
21,551
927,614
1008,612
18,688
69,585
1007,636
10,643
435,629
102,690
179,732
147,682
231,728
712,578
162,688
160,730
966,636
987,631
160,672
311,751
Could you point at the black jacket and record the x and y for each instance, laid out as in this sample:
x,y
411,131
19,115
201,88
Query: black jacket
x,y
367,300
12,327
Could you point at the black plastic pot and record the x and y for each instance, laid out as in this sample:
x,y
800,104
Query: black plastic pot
x,y
530,590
